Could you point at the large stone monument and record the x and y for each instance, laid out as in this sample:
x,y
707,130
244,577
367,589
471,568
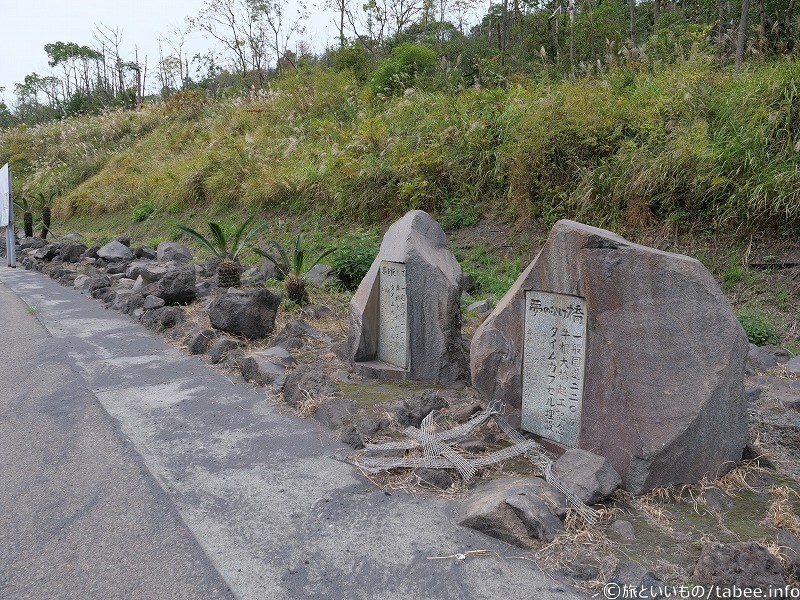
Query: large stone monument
x,y
623,350
405,317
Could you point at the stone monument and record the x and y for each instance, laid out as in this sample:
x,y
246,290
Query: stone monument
x,y
623,350
405,317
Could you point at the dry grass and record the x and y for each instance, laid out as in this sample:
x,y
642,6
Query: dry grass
x,y
651,506
737,479
580,539
309,405
406,480
781,511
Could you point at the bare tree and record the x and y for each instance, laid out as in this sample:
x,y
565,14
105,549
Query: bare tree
x,y
226,22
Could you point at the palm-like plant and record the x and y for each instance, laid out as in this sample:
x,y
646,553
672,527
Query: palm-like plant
x,y
226,249
24,205
44,202
291,269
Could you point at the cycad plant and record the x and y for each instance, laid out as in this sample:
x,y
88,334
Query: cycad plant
x,y
291,269
226,249
24,205
44,203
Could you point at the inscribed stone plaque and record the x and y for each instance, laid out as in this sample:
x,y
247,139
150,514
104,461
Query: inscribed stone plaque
x,y
553,365
393,315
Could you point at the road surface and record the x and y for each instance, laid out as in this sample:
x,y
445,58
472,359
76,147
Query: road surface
x,y
129,469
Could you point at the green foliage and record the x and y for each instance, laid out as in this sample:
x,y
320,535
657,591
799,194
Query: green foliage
x,y
677,38
354,257
687,144
186,104
459,215
399,71
291,265
23,203
218,242
352,57
143,209
759,326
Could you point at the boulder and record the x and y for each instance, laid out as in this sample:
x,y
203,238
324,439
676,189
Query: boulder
x,y
318,311
591,477
96,282
480,307
267,367
48,252
79,281
793,365
623,529
149,270
120,299
91,253
177,284
123,239
249,314
742,565
789,545
629,575
663,361
32,242
256,275
516,510
71,252
334,412
422,338
115,251
169,251
204,289
411,411
199,340
221,347
145,252
117,268
312,380
131,302
210,266
319,274
438,478
152,302
162,318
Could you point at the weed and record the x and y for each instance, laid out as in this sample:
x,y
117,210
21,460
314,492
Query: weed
x,y
33,309
354,257
759,326
143,209
734,273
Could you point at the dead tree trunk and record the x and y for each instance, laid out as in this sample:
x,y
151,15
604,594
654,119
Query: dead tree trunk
x,y
741,40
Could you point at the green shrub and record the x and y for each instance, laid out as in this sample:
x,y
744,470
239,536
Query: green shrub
x,y
398,71
354,257
758,325
143,209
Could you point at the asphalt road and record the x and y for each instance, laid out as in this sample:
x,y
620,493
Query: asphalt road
x,y
81,517
129,469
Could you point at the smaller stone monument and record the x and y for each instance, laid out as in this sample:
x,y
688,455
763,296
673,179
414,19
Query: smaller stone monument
x,y
405,317
626,351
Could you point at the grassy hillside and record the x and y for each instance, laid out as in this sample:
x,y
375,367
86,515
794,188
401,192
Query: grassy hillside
x,y
687,145
690,159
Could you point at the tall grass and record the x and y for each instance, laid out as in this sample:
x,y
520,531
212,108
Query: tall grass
x,y
689,143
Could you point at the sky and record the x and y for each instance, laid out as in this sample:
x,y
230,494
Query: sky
x,y
27,25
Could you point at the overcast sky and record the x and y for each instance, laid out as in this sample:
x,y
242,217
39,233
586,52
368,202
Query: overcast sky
x,y
27,25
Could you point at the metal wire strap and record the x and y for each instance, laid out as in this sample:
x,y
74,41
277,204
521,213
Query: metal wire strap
x,y
438,453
